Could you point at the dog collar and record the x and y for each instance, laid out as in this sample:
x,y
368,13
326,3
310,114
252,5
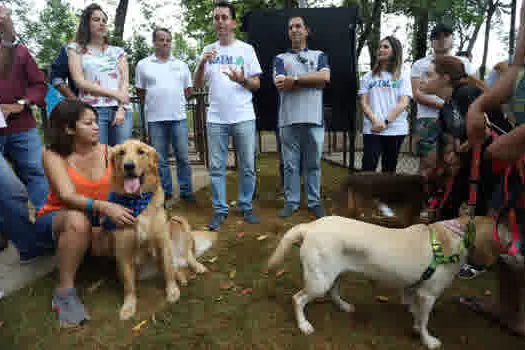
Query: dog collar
x,y
137,204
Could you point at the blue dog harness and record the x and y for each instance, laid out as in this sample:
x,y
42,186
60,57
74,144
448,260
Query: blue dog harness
x,y
137,204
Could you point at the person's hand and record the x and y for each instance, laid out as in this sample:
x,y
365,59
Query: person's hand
x,y
236,77
120,215
284,82
8,109
378,126
120,117
6,24
475,124
208,56
122,97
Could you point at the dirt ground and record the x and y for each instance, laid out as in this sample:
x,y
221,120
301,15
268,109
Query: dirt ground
x,y
233,307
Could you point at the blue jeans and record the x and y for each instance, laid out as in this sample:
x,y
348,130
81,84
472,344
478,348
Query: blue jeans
x,y
24,151
14,214
174,132
302,145
113,135
244,138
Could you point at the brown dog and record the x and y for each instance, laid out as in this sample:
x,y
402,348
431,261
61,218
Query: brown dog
x,y
363,192
135,178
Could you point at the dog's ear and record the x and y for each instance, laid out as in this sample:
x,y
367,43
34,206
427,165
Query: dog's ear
x,y
112,153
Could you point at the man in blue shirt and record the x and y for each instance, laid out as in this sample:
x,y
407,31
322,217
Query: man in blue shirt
x,y
300,75
59,76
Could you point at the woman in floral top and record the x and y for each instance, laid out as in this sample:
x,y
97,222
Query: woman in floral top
x,y
101,73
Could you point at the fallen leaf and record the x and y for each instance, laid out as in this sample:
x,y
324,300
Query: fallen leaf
x,y
382,299
1,324
227,285
246,291
139,326
280,272
153,319
232,274
95,286
233,202
240,234
488,293
262,237
219,298
212,260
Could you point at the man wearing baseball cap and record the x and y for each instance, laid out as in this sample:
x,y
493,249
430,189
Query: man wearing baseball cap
x,y
428,106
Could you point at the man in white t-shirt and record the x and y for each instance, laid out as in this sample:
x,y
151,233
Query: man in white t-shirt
x,y
163,83
232,69
428,106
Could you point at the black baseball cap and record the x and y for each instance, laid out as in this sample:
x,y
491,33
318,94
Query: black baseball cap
x,y
441,28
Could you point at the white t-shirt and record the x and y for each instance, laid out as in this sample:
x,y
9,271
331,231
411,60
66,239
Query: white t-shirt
x,y
383,94
420,70
101,68
230,102
164,83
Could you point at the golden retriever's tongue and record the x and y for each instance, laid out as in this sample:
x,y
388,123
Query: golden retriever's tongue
x,y
132,185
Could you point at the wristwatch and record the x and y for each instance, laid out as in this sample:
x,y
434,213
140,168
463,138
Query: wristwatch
x,y
295,79
386,122
23,102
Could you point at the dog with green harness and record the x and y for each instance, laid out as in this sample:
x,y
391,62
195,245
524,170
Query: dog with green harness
x,y
421,260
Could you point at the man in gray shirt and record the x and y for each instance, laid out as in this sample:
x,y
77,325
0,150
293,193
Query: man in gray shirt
x,y
300,75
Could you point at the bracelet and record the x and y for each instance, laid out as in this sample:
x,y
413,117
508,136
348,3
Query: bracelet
x,y
89,206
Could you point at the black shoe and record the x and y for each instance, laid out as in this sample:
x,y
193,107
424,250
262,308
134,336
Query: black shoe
x,y
250,218
216,221
3,242
318,211
468,272
287,211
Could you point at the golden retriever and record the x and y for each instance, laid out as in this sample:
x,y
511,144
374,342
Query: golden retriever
x,y
398,257
135,175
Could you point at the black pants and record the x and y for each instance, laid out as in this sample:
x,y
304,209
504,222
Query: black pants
x,y
379,145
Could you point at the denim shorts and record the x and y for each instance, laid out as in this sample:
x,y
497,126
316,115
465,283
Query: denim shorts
x,y
44,224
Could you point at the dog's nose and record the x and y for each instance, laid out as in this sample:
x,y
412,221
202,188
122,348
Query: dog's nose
x,y
129,166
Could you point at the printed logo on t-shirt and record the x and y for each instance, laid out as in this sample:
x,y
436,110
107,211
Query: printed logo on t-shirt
x,y
239,61
384,84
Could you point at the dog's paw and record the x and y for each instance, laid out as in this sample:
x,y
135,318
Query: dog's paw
x,y
199,268
432,342
129,308
172,293
346,307
306,327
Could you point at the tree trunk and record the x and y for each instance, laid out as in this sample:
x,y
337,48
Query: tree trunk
x,y
490,12
420,35
120,19
374,37
512,28
368,23
473,38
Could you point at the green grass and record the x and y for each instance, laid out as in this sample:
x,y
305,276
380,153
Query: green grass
x,y
207,316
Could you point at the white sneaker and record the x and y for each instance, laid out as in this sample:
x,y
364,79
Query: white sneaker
x,y
386,211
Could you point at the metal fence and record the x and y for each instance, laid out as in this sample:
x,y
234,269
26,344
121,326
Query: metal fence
x,y
344,148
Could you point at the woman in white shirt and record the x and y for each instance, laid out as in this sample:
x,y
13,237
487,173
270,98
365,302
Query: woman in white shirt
x,y
101,73
385,94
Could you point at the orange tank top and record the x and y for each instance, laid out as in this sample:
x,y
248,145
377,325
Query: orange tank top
x,y
91,189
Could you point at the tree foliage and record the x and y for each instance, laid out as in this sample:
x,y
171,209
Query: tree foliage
x,y
56,25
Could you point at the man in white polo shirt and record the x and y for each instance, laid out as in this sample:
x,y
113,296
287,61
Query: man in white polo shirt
x,y
163,83
232,69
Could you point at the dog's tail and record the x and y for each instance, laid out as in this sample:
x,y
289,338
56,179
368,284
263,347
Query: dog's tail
x,y
203,241
295,234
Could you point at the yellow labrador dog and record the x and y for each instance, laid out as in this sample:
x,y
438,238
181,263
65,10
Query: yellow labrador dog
x,y
187,246
399,257
135,184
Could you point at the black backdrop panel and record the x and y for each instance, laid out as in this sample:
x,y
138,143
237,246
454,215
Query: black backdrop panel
x,y
332,31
